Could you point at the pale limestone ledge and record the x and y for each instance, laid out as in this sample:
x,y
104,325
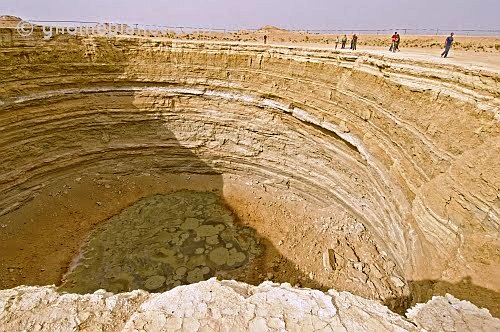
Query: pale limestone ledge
x,y
228,306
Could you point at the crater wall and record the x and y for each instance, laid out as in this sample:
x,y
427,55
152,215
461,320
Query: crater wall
x,y
408,148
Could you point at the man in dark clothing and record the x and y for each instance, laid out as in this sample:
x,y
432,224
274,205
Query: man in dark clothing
x,y
265,39
447,46
344,41
354,42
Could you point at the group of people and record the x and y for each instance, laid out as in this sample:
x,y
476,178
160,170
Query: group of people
x,y
354,42
395,40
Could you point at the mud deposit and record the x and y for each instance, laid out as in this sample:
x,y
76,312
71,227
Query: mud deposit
x,y
161,242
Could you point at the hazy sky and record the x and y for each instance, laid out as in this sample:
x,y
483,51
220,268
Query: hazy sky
x,y
300,14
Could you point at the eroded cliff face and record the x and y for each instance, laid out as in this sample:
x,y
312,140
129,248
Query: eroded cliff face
x,y
399,157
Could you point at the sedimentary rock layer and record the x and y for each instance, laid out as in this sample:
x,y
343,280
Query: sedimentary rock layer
x,y
408,148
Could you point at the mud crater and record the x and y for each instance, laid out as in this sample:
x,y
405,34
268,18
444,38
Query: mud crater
x,y
163,241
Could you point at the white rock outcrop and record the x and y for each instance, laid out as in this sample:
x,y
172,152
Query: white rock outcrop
x,y
228,306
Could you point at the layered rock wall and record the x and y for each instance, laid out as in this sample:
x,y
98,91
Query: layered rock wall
x,y
408,148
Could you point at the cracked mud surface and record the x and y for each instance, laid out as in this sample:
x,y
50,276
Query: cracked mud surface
x,y
161,242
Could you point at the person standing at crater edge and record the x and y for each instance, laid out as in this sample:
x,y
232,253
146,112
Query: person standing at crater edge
x,y
344,41
336,42
447,45
265,39
354,42
393,44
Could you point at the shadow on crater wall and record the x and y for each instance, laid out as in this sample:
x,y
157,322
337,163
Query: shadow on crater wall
x,y
105,154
